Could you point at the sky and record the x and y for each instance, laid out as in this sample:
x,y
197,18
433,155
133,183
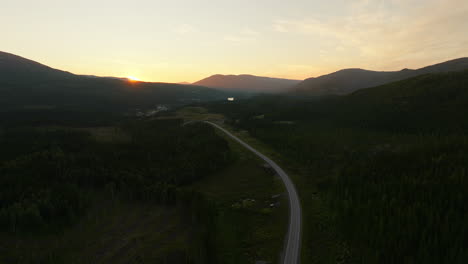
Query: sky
x,y
187,40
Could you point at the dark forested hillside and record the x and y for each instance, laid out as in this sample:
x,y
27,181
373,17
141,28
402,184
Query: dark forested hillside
x,y
386,166
390,162
91,172
14,68
50,178
349,80
25,83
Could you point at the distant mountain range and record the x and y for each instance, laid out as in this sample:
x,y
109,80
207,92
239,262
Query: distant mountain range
x,y
26,83
248,83
349,80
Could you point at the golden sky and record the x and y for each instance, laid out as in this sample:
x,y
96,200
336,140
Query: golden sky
x,y
187,40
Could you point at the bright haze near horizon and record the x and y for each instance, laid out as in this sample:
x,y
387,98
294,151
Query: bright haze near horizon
x,y
187,40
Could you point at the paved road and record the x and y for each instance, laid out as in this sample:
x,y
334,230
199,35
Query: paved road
x,y
292,247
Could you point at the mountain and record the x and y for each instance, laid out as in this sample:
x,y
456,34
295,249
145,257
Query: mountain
x,y
15,68
428,102
349,80
247,83
25,83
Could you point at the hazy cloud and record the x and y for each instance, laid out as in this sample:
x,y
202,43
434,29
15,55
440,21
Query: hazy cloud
x,y
246,35
374,30
249,32
238,38
185,29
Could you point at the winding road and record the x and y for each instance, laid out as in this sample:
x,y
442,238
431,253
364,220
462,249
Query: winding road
x,y
292,246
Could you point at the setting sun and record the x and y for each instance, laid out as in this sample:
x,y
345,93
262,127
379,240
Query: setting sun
x,y
133,79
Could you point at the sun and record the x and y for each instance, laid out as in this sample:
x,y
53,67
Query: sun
x,y
133,79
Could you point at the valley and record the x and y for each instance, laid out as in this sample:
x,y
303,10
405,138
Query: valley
x,y
108,170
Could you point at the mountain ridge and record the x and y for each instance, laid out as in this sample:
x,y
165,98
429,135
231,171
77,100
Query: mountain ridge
x,y
248,83
348,80
11,64
24,82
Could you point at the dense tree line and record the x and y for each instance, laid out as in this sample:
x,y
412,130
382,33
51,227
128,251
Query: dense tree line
x,y
45,175
391,163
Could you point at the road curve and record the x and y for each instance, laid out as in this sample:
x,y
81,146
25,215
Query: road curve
x,y
292,246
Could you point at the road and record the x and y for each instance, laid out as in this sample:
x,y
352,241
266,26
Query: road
x,y
292,246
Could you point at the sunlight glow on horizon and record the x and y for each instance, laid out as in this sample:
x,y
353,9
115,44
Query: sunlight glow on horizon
x,y
133,79
192,39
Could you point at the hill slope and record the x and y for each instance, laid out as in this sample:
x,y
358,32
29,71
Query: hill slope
x,y
349,80
389,160
430,101
12,66
247,83
24,83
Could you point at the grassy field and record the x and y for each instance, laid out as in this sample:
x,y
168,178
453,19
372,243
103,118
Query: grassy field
x,y
197,113
321,242
253,214
248,228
